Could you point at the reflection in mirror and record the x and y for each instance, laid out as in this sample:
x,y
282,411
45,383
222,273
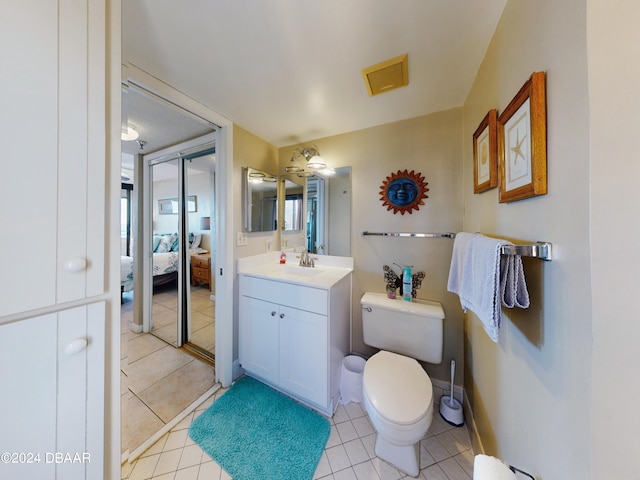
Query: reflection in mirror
x,y
329,213
166,259
293,204
200,184
260,201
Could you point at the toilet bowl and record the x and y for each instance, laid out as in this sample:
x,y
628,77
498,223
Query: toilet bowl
x,y
398,397
396,391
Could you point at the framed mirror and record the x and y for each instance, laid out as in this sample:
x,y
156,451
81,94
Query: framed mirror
x,y
328,213
293,194
260,201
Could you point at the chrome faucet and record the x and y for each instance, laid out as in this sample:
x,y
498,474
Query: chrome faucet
x,y
306,260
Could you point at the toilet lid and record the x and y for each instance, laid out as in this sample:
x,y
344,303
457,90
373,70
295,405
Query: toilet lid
x,y
398,387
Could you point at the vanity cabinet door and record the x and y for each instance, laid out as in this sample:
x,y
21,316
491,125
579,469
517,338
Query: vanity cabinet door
x,y
259,338
303,354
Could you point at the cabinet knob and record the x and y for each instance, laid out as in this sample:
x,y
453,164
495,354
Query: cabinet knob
x,y
282,315
273,314
76,346
75,265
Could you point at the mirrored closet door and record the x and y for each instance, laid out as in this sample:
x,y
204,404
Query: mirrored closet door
x,y
199,326
166,267
182,258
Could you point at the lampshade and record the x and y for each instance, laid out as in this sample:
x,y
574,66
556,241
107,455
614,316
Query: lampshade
x,y
205,223
130,135
316,163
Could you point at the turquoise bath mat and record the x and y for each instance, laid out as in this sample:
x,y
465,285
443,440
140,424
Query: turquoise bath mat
x,y
256,433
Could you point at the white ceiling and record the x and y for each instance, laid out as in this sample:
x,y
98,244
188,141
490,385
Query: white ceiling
x,y
158,124
290,70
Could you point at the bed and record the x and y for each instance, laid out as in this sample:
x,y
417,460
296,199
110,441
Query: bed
x,y
165,260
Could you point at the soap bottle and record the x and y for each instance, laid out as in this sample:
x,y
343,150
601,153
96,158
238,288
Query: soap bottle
x,y
283,257
407,284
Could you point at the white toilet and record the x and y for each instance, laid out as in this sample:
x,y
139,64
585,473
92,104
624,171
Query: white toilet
x,y
397,392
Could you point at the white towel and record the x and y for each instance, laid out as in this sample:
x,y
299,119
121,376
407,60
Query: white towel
x,y
512,283
484,280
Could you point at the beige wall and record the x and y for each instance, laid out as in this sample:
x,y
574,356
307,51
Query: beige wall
x,y
251,151
432,146
614,68
530,392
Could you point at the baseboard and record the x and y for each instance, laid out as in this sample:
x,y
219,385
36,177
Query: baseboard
x,y
132,456
472,429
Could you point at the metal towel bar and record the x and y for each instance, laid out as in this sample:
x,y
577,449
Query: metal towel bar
x,y
541,250
418,235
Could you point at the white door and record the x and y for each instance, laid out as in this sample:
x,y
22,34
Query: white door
x,y
52,399
53,135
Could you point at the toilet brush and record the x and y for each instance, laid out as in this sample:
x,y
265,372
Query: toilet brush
x,y
450,408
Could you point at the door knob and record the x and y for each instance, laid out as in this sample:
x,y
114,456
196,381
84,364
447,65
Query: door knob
x,y
74,265
76,346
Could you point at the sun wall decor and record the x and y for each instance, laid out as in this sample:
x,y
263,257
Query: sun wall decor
x,y
403,191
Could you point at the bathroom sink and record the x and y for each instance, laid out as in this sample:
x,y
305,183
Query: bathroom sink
x,y
301,271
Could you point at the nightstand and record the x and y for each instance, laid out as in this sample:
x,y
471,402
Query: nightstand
x,y
201,269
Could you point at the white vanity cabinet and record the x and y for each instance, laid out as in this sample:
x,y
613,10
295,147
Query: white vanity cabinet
x,y
294,336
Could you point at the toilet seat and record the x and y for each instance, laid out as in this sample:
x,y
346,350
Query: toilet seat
x,y
398,388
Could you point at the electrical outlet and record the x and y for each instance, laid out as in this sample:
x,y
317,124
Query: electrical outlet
x,y
241,239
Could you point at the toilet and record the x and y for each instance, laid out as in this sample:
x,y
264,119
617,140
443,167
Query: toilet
x,y
396,391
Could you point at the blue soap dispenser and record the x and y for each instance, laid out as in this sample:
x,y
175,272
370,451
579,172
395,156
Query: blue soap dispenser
x,y
407,283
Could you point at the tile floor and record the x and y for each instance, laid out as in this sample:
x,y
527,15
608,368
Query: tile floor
x,y
159,381
445,452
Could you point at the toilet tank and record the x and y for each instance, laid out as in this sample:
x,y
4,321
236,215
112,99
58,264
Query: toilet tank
x,y
414,329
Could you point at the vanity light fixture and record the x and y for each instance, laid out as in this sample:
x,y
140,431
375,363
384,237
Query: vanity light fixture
x,y
256,177
259,177
130,134
327,172
311,155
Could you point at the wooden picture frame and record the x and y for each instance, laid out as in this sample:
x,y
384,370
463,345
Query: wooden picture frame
x,y
522,143
485,153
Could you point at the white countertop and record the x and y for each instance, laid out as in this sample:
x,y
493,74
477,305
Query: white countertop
x,y
328,269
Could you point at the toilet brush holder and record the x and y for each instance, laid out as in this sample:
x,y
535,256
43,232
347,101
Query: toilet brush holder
x,y
450,408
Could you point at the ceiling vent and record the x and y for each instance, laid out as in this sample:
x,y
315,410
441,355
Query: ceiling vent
x,y
387,75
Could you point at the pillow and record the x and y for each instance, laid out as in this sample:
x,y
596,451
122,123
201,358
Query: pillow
x,y
194,240
166,242
175,244
156,242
